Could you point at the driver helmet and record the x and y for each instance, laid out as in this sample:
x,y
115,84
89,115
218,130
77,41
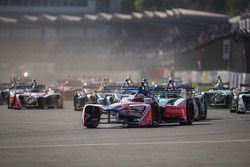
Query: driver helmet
x,y
34,84
138,98
170,80
219,80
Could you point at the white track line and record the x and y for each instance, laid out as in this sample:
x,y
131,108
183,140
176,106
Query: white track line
x,y
116,144
192,142
58,145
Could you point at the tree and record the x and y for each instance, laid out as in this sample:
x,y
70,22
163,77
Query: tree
x,y
127,6
230,7
236,7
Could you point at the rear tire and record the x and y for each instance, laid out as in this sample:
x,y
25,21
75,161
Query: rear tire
x,y
91,125
230,105
190,113
8,103
232,111
155,114
199,112
204,116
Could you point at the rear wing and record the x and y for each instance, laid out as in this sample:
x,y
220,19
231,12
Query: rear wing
x,y
210,83
179,91
4,86
130,88
111,88
203,86
136,88
245,85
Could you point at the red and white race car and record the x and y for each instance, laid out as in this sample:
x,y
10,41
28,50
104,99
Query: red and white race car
x,y
139,111
25,95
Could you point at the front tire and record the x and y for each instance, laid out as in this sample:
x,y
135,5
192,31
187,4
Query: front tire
x,y
92,117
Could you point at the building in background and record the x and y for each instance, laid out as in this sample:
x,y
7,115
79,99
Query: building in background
x,y
53,39
58,6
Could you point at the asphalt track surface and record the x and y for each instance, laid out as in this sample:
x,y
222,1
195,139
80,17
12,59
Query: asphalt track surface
x,y
42,138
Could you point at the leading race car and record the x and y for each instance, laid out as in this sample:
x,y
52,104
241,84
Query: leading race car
x,y
26,95
140,111
199,101
169,97
240,102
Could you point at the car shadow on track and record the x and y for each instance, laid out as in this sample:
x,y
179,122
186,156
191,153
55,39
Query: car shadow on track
x,y
212,119
246,113
165,125
178,125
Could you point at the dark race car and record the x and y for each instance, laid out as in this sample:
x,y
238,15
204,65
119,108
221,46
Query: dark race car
x,y
25,95
219,96
108,95
68,87
81,98
240,102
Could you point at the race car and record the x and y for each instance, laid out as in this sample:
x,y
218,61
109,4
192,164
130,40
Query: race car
x,y
81,98
240,101
107,96
68,87
4,92
140,111
169,97
25,95
219,96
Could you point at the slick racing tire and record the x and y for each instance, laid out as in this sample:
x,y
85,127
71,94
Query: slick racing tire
x,y
190,113
155,114
91,125
232,111
231,106
92,117
199,113
8,103
237,110
77,109
204,116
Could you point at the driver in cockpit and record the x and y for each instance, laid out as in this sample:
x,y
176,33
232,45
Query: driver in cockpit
x,y
219,83
34,84
170,84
